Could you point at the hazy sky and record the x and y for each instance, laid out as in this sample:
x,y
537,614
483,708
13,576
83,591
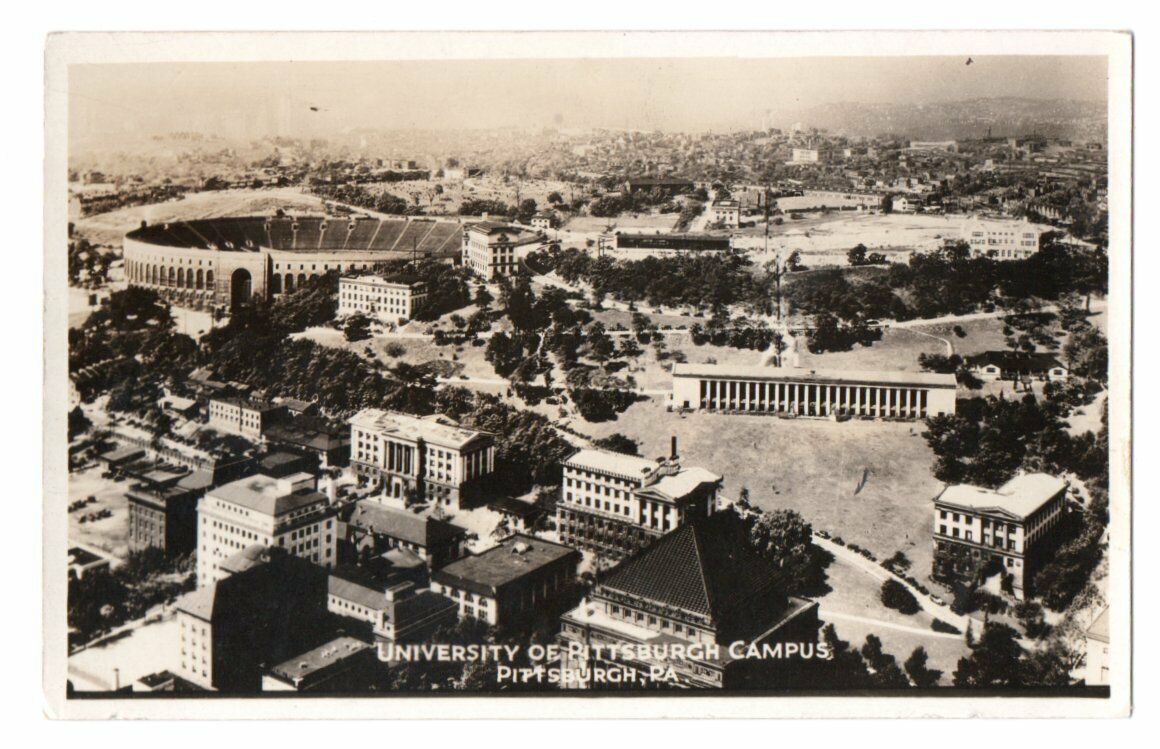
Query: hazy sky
x,y
668,94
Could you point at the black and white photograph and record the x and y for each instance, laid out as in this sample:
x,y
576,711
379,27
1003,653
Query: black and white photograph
x,y
687,372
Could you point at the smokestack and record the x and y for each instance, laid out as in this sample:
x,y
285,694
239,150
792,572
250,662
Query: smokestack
x,y
673,450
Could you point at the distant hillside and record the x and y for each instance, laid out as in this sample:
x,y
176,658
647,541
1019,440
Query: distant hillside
x,y
1080,120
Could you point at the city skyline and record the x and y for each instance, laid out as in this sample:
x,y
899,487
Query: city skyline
x,y
307,99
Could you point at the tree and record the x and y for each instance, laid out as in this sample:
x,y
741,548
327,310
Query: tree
x,y
358,327
619,443
857,255
555,198
895,595
995,659
786,539
916,668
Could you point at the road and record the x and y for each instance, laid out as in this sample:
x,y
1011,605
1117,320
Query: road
x,y
873,569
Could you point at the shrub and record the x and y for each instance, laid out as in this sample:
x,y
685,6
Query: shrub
x,y
938,625
895,595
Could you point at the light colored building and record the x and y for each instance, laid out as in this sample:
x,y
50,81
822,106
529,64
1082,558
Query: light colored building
x,y
243,417
511,583
1008,529
810,392
544,220
375,296
1009,365
287,513
1096,660
616,504
725,212
805,156
1002,240
489,248
432,456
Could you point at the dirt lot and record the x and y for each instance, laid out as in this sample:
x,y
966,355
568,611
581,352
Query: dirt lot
x,y
110,534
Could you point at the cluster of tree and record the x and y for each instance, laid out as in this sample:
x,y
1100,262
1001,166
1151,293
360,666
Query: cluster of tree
x,y
618,443
599,404
858,255
869,667
951,281
829,334
998,660
357,195
479,206
786,538
897,596
103,600
85,257
988,439
699,280
741,333
950,364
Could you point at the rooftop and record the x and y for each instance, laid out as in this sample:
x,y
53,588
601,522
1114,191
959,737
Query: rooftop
x,y
682,483
437,431
706,568
370,515
514,558
322,657
606,461
268,495
833,376
1020,497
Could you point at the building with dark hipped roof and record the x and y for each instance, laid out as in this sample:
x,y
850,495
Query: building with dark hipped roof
x,y
704,590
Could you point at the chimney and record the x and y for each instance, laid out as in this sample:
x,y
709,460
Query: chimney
x,y
673,449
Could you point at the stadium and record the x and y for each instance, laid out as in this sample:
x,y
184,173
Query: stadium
x,y
222,262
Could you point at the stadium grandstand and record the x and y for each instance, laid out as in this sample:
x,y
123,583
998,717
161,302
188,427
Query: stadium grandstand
x,y
221,262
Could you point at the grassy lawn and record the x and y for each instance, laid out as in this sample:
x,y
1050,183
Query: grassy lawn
x,y
981,335
855,593
809,466
898,350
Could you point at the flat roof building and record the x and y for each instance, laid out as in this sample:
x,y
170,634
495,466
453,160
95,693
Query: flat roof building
x,y
432,456
812,392
1009,529
615,503
509,584
287,513
375,296
342,665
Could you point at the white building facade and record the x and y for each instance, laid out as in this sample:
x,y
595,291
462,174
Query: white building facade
x,y
289,513
817,393
374,296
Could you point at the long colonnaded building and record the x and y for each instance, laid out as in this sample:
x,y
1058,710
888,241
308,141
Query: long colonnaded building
x,y
223,262
812,392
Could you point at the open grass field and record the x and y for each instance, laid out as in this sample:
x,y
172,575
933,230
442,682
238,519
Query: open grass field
x,y
643,222
981,335
897,351
810,466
